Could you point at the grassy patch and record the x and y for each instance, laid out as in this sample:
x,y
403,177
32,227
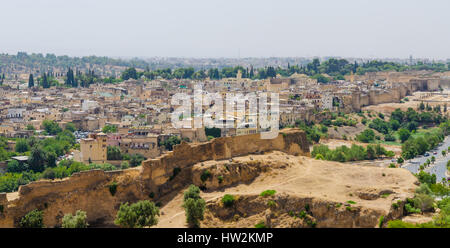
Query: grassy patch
x,y
228,200
268,192
261,225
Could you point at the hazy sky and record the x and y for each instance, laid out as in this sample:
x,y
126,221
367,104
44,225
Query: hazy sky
x,y
227,28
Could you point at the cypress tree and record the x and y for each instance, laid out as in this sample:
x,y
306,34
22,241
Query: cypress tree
x,y
31,81
45,81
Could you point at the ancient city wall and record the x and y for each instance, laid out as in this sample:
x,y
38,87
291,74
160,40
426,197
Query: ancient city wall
x,y
397,92
157,172
90,191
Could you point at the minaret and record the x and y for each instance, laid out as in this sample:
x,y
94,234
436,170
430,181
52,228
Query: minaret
x,y
239,74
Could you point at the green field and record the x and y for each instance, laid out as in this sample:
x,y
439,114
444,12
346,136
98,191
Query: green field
x,y
416,134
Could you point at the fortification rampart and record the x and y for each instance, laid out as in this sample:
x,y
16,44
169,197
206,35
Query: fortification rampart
x,y
398,91
93,191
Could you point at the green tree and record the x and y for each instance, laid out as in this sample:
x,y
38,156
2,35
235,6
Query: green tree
x,y
71,127
30,127
31,81
403,134
22,146
36,160
15,166
33,219
421,106
136,160
51,127
137,215
194,206
171,142
75,221
109,129
366,136
113,153
50,158
45,83
129,73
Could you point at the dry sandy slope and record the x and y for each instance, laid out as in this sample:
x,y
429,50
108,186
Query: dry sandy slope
x,y
306,177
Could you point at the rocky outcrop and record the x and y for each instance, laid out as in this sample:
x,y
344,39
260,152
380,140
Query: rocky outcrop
x,y
294,211
100,193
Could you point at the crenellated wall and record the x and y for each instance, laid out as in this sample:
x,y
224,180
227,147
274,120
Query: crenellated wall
x,y
90,190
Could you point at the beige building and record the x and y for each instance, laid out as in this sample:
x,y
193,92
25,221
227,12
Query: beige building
x,y
92,149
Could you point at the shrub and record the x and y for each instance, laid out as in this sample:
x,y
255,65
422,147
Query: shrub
x,y
392,165
389,137
366,136
228,200
220,178
137,215
380,222
33,219
410,209
307,208
75,221
268,193
423,189
124,165
271,204
423,202
351,202
205,175
113,188
261,224
302,215
319,157
399,224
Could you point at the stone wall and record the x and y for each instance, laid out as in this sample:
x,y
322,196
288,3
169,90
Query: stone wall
x,y
157,172
90,190
396,93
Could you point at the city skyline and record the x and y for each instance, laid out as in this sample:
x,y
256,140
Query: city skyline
x,y
228,29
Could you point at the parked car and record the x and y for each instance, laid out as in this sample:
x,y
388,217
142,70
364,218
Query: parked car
x,y
427,154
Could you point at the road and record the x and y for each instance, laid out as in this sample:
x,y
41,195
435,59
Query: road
x,y
439,167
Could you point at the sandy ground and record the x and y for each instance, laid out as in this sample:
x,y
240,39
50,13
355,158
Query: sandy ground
x,y
306,177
